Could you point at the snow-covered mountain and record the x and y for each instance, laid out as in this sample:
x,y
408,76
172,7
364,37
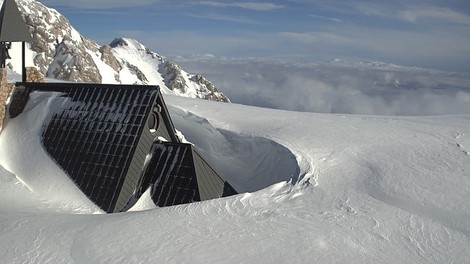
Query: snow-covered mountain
x,y
60,52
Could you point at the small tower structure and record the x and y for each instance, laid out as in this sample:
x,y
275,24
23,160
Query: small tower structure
x,y
12,29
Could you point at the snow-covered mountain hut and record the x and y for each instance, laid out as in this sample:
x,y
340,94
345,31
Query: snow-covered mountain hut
x,y
113,141
117,141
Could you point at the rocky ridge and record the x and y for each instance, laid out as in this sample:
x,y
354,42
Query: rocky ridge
x,y
60,52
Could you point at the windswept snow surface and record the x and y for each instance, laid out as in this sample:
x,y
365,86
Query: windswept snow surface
x,y
369,189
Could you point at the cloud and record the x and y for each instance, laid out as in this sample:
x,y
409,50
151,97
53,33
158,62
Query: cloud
x,y
98,4
313,37
174,43
435,13
349,88
257,6
299,29
331,19
435,47
220,17
374,9
416,12
111,4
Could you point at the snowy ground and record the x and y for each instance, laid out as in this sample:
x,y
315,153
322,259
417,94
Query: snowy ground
x,y
363,189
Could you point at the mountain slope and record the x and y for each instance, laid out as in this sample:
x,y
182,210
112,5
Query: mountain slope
x,y
60,52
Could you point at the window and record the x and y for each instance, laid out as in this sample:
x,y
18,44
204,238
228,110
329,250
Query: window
x,y
154,119
153,122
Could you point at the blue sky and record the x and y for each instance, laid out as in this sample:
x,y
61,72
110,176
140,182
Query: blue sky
x,y
425,33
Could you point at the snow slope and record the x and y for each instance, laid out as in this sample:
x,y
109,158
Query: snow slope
x,y
369,189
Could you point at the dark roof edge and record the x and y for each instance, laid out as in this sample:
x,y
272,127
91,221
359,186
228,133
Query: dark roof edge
x,y
167,119
48,85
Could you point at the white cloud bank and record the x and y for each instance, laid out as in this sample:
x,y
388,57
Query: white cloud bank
x,y
351,88
257,6
435,13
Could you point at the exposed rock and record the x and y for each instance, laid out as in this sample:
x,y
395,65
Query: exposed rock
x,y
118,42
108,57
5,90
34,75
60,52
173,78
140,75
214,94
47,28
73,63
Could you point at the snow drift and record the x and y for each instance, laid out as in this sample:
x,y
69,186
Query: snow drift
x,y
371,189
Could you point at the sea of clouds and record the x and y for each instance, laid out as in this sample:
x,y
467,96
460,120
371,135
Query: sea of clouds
x,y
369,88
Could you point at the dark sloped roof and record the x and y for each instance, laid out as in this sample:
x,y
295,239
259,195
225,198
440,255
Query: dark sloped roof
x,y
12,26
95,135
109,139
178,174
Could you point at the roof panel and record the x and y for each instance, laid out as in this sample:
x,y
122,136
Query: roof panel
x,y
93,138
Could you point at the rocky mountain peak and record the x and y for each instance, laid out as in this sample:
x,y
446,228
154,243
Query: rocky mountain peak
x,y
60,52
118,42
